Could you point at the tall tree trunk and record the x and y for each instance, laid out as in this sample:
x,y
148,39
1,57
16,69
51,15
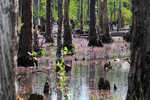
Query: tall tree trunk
x,y
35,9
7,49
119,17
48,33
17,13
59,34
93,38
67,29
25,37
88,10
114,10
101,18
111,19
36,46
104,23
81,16
139,77
79,9
92,34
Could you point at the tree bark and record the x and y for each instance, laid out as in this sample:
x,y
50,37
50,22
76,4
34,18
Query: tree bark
x,y
139,77
25,37
79,9
104,23
59,34
81,16
36,46
36,12
119,17
93,38
7,49
48,33
67,29
88,10
92,34
114,10
101,19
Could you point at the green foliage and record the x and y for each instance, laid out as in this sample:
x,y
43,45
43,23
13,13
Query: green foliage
x,y
73,13
126,16
66,51
19,25
43,9
60,64
69,52
35,11
77,25
85,11
55,10
42,12
86,27
35,54
55,14
43,52
62,78
32,53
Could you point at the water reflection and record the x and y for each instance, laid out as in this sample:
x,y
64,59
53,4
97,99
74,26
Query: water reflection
x,y
91,72
24,84
82,81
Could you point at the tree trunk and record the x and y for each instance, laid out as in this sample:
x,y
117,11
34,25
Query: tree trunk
x,y
67,29
48,33
25,37
36,46
104,23
101,19
7,49
35,10
79,9
139,77
88,10
81,16
93,38
119,17
114,10
59,34
92,34
111,16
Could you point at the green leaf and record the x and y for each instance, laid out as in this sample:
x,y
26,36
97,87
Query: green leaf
x,y
43,52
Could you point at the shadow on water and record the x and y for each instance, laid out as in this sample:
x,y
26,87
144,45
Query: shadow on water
x,y
82,81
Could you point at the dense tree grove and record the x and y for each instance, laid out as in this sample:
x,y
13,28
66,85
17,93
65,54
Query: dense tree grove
x,y
60,37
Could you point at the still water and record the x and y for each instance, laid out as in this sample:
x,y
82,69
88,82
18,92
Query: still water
x,y
82,81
